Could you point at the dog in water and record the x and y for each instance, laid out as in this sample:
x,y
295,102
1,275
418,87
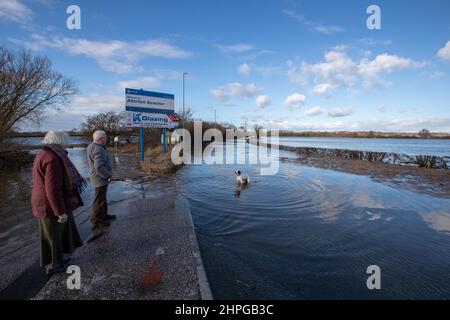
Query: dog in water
x,y
241,179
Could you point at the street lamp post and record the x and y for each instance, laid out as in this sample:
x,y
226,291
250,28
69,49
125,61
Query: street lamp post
x,y
184,111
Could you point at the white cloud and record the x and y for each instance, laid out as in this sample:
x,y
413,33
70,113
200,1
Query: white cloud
x,y
244,69
375,42
95,102
54,120
159,48
82,106
167,74
263,101
236,48
440,124
384,63
255,54
444,53
116,56
314,111
339,70
235,90
379,124
437,75
322,89
381,108
314,26
270,70
242,51
294,100
327,29
143,82
340,112
15,10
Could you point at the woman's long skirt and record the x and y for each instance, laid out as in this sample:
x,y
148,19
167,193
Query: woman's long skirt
x,y
57,239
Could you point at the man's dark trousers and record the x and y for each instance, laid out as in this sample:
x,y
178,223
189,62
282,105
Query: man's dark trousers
x,y
99,207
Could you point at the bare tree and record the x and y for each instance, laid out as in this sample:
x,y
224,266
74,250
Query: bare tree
x,y
110,122
185,116
257,129
28,87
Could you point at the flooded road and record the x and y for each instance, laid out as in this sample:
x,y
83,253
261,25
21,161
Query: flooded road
x,y
309,233
435,147
18,228
300,234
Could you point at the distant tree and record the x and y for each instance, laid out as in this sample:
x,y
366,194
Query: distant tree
x,y
185,117
110,122
424,132
257,129
28,88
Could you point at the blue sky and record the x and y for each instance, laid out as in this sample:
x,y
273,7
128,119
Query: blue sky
x,y
300,65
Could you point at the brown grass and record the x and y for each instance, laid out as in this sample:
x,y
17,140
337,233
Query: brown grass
x,y
157,164
14,157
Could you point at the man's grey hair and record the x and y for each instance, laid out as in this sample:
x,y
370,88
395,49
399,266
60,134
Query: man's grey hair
x,y
98,135
56,137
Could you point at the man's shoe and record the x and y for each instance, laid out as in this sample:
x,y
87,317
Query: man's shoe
x,y
95,234
104,223
110,217
101,224
58,269
66,260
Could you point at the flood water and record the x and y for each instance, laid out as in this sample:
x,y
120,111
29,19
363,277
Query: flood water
x,y
310,233
300,234
436,147
18,228
35,141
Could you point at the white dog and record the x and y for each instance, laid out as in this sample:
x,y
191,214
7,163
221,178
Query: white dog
x,y
242,179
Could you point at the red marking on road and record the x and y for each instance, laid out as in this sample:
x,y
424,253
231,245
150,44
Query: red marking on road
x,y
152,276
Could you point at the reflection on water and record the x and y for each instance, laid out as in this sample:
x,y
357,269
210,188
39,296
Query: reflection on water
x,y
312,233
15,206
437,147
439,221
239,188
302,233
36,141
18,228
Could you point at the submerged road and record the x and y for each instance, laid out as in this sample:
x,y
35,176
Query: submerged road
x,y
150,252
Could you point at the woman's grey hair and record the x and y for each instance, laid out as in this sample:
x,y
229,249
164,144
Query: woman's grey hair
x,y
98,135
56,137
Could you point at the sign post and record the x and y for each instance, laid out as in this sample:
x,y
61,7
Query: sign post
x,y
141,142
148,109
164,141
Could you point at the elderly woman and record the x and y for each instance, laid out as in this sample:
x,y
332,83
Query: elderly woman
x,y
56,193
